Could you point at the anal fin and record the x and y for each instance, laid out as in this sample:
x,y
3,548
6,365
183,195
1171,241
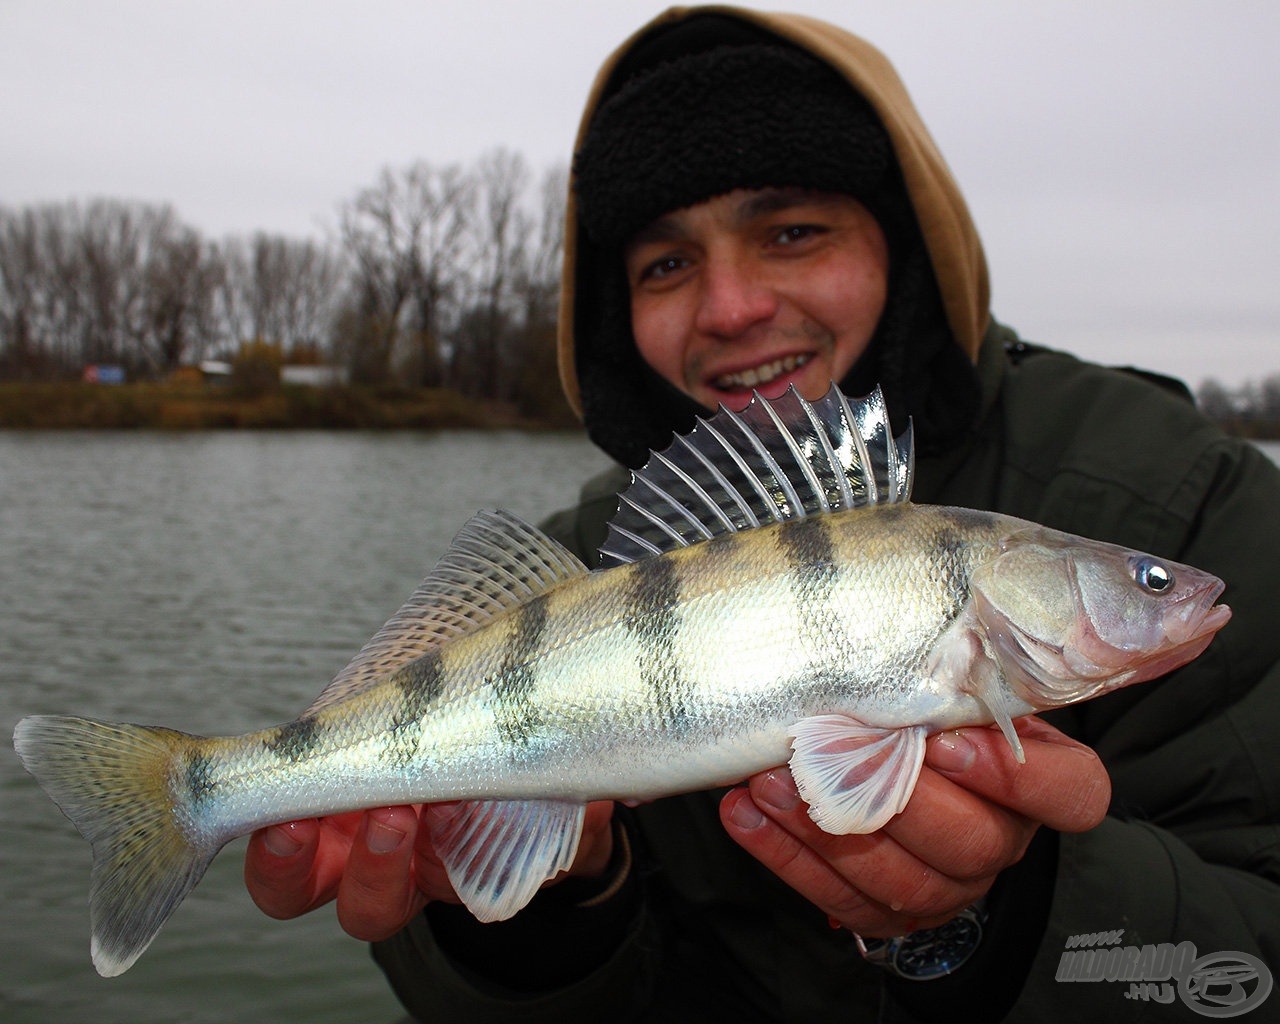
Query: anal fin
x,y
854,777
498,853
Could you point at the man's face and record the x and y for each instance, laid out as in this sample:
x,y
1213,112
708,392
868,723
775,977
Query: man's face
x,y
757,289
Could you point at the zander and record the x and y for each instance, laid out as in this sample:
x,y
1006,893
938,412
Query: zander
x,y
768,594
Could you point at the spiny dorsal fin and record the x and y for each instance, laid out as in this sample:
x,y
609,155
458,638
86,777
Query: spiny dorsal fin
x,y
497,561
776,460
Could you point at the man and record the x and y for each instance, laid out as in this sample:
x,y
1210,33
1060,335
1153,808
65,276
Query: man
x,y
757,204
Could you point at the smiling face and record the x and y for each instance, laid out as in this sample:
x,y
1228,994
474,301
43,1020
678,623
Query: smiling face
x,y
757,289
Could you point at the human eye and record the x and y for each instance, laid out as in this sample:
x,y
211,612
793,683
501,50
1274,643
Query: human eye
x,y
796,234
658,270
664,267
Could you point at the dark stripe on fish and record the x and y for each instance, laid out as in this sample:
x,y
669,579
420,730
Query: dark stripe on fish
x,y
807,543
810,552
199,777
295,741
959,534
950,566
517,713
653,595
419,684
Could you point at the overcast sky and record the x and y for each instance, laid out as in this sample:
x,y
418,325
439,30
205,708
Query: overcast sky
x,y
1122,158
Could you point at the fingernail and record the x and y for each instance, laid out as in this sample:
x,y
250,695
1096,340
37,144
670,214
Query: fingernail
x,y
381,837
280,841
952,752
779,791
745,814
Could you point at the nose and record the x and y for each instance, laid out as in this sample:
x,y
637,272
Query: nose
x,y
734,297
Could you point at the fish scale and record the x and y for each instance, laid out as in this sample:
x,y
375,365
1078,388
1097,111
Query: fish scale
x,y
769,594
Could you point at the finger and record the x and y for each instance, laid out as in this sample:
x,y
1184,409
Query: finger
x,y
595,848
377,895
428,868
279,868
876,865
1062,783
958,832
794,862
344,824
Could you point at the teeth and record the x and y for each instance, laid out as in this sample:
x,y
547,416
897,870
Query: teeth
x,y
761,374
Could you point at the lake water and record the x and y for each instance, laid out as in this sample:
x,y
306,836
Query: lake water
x,y
212,582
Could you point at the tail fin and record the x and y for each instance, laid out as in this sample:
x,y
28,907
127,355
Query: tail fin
x,y
114,783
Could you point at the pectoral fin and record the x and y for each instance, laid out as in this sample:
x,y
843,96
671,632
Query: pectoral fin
x,y
984,683
960,660
498,853
854,777
987,689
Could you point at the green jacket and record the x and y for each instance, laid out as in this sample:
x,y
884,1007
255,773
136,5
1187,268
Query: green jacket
x,y
1190,851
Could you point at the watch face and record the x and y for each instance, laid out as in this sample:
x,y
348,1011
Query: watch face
x,y
938,951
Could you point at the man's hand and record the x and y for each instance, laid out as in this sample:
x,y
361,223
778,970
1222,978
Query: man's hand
x,y
379,865
973,812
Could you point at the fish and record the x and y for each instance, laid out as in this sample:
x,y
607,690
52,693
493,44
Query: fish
x,y
767,593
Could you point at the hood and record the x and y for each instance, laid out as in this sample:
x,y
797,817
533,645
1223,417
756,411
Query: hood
x,y
951,253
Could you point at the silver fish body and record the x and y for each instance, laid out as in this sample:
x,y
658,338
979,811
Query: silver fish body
x,y
674,673
746,621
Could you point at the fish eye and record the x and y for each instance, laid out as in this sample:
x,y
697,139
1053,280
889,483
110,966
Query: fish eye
x,y
1151,576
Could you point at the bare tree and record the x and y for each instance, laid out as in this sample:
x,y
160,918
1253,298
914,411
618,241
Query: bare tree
x,y
21,296
1215,401
540,272
180,278
316,278
402,237
107,282
1269,399
278,290
104,268
500,238
531,353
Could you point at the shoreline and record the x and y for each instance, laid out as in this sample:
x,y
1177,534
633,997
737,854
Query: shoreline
x,y
77,405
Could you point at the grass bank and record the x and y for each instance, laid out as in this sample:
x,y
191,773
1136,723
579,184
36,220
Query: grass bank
x,y
81,406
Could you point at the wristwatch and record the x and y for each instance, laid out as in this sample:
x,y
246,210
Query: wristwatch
x,y
929,953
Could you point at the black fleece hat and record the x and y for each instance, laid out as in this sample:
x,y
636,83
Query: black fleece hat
x,y
707,107
707,123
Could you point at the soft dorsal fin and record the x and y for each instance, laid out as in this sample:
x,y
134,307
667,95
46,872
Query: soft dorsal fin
x,y
496,561
778,459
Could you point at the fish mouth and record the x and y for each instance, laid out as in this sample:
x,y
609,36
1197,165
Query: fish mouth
x,y
762,374
1196,614
1189,625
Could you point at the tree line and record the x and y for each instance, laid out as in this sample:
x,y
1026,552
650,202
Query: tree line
x,y
435,276
1251,410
